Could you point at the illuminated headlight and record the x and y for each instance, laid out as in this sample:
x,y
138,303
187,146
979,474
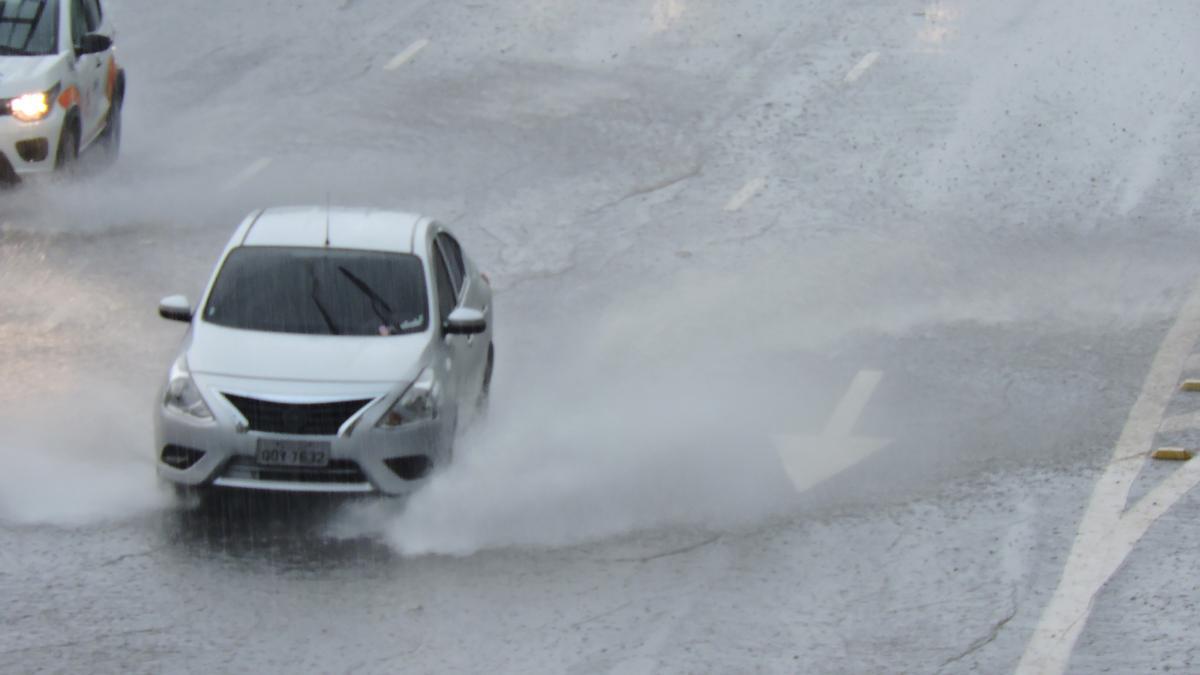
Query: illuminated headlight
x,y
182,395
31,107
417,403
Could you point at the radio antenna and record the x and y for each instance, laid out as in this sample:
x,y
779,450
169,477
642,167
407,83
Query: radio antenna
x,y
326,220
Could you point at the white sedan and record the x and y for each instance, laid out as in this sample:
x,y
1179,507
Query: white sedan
x,y
334,350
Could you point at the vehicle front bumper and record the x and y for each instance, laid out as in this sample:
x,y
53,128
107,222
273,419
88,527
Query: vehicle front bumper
x,y
22,143
230,455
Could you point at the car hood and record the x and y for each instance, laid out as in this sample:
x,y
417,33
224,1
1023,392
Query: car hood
x,y
246,354
24,74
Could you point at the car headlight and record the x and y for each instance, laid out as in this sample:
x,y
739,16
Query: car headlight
x,y
32,107
418,402
182,395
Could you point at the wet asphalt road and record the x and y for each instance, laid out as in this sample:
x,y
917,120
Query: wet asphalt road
x,y
701,228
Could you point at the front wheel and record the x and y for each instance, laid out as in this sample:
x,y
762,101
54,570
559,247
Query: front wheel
x,y
68,149
482,402
110,139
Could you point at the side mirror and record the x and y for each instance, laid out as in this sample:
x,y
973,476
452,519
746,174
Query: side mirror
x,y
176,308
465,321
93,43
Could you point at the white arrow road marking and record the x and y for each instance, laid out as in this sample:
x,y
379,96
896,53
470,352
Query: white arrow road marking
x,y
861,67
1108,532
810,460
748,191
247,173
407,55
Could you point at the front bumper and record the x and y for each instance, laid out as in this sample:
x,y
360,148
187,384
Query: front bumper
x,y
31,147
358,459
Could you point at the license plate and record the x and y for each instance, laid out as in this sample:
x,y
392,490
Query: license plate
x,y
272,452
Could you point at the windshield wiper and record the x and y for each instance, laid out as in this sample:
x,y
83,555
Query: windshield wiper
x,y
376,300
333,329
5,50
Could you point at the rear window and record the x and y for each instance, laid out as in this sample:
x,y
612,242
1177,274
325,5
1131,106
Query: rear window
x,y
315,291
28,27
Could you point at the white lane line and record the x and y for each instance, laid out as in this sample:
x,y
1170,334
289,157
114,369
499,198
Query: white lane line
x,y
407,55
1108,533
748,192
255,168
1158,501
810,460
862,66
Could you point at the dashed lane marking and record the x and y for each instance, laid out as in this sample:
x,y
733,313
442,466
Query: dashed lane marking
x,y
247,173
864,64
407,55
1109,531
748,192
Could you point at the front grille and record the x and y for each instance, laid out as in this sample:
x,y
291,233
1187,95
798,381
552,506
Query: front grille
x,y
311,419
338,471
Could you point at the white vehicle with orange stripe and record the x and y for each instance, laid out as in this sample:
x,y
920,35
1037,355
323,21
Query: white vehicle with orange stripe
x,y
60,87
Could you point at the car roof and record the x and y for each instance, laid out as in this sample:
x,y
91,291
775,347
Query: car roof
x,y
345,227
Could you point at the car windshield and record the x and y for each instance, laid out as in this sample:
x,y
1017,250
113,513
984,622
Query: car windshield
x,y
28,27
317,291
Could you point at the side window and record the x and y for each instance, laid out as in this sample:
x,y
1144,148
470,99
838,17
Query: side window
x,y
453,255
456,256
79,26
445,289
93,14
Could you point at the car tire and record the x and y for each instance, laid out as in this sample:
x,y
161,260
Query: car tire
x,y
8,177
482,402
110,138
68,149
